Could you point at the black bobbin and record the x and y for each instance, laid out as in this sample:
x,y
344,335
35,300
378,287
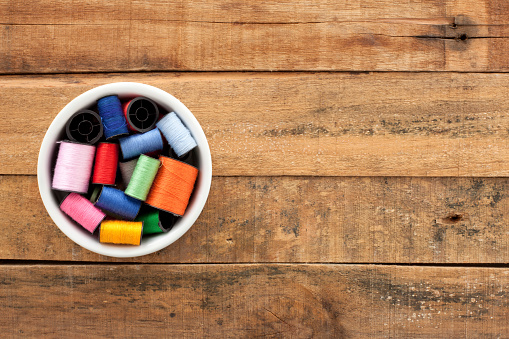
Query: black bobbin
x,y
167,220
142,114
189,158
84,126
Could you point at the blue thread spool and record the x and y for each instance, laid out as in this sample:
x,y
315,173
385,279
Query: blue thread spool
x,y
178,136
112,116
115,202
137,144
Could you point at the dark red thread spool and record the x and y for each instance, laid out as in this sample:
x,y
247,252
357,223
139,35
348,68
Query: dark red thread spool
x,y
105,166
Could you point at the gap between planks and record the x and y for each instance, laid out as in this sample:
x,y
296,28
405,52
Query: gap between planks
x,y
16,262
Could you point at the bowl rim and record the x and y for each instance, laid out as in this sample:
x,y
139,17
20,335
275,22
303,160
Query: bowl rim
x,y
88,98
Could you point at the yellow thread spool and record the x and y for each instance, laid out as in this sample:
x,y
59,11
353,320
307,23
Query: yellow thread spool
x,y
121,232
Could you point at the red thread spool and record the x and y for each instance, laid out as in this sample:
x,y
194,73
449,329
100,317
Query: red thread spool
x,y
124,108
106,161
172,186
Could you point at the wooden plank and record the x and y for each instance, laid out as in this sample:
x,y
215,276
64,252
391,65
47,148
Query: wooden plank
x,y
379,35
340,301
294,219
326,124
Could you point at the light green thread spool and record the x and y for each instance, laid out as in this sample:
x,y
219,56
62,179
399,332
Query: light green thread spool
x,y
142,178
150,222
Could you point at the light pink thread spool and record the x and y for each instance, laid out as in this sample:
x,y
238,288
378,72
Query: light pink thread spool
x,y
73,167
82,211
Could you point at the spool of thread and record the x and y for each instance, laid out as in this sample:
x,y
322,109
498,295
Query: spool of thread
x,y
127,169
82,211
106,160
172,186
167,220
121,232
137,144
142,178
112,116
150,221
178,136
141,114
115,202
84,126
73,167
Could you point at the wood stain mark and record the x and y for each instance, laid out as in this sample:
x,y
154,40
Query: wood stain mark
x,y
428,297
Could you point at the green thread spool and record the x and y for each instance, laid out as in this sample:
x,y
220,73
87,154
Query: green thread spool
x,y
150,222
142,178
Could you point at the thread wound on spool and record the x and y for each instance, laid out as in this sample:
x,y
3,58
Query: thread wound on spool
x,y
73,167
142,178
137,144
116,203
84,126
141,114
178,136
106,160
150,222
121,232
127,169
172,186
82,211
112,116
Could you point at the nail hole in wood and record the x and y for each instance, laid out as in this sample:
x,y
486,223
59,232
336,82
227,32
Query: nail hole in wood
x,y
453,218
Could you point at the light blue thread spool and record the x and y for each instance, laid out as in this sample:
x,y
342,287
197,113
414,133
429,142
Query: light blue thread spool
x,y
178,136
112,116
137,144
115,202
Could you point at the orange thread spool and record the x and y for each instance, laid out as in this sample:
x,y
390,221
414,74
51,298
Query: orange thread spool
x,y
172,186
121,232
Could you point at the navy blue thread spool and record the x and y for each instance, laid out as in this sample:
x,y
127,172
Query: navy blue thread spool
x,y
137,144
84,126
116,203
112,116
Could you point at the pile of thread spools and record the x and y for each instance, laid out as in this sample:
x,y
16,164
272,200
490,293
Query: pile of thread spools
x,y
128,171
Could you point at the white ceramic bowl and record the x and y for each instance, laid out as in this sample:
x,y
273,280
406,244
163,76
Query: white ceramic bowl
x,y
56,132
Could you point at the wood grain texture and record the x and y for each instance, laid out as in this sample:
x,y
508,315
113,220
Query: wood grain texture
x,y
295,219
232,301
381,35
325,124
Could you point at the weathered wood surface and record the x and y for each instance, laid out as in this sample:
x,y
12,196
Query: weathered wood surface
x,y
295,219
298,301
326,124
381,35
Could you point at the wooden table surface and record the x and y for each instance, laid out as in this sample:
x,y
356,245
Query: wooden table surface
x,y
361,169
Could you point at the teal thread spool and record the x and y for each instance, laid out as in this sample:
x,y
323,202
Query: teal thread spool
x,y
142,178
151,223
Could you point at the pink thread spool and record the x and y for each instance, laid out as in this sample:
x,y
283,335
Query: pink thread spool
x,y
82,211
73,167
